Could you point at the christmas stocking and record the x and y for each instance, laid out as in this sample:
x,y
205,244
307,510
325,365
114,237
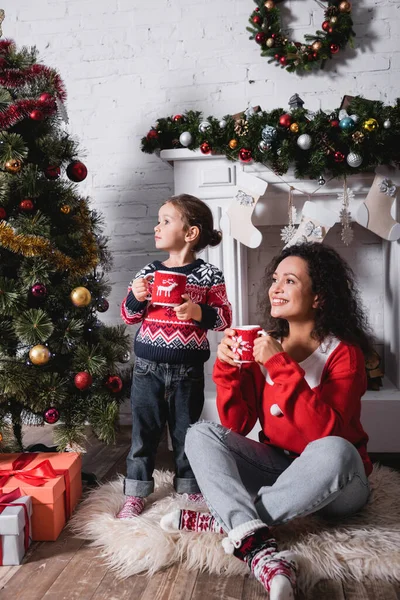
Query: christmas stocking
x,y
315,223
374,213
248,191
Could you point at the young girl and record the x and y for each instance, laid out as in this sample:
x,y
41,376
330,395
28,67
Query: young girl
x,y
305,387
171,347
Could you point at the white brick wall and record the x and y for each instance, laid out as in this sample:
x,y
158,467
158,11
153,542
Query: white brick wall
x,y
125,62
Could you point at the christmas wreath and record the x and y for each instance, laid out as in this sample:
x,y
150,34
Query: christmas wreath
x,y
313,52
358,136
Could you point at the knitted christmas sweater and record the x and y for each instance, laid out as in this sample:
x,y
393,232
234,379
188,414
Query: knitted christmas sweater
x,y
297,403
162,337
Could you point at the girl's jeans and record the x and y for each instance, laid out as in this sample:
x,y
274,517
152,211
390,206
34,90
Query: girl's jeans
x,y
243,480
161,393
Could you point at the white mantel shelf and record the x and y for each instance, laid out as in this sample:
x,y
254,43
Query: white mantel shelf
x,y
213,179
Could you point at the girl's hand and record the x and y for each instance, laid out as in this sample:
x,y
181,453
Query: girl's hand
x,y
224,351
188,310
140,289
265,347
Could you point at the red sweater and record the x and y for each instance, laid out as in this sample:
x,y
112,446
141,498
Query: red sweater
x,y
318,397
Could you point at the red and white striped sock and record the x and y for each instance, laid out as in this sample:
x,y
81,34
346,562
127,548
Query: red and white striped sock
x,y
132,507
190,520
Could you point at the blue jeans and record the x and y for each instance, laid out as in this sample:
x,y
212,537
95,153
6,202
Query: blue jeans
x,y
162,393
243,480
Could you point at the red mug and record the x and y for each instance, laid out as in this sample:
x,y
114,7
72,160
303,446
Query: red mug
x,y
244,338
166,288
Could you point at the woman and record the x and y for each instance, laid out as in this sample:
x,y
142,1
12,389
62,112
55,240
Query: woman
x,y
305,387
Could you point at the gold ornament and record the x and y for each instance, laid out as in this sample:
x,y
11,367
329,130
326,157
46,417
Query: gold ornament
x,y
66,209
316,46
270,42
81,296
370,124
1,437
345,6
13,166
358,137
39,355
241,127
269,4
233,144
294,128
333,20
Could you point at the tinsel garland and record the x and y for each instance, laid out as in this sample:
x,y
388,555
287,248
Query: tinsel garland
x,y
335,143
33,245
12,78
21,109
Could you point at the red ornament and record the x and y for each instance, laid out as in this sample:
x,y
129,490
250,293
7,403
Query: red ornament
x,y
310,57
26,205
338,157
45,97
83,380
276,56
3,213
334,48
260,38
36,115
257,20
283,60
285,120
76,171
205,148
177,118
152,135
326,25
114,384
51,416
334,123
39,290
245,155
52,172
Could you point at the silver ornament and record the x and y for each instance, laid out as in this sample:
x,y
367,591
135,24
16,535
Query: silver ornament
x,y
304,141
185,138
204,125
263,146
354,160
222,124
387,124
321,180
269,133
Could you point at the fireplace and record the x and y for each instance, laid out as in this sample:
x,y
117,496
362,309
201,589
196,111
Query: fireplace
x,y
375,262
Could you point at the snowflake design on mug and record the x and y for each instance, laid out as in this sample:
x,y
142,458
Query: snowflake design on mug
x,y
241,345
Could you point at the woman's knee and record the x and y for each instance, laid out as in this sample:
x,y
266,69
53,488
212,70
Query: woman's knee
x,y
337,452
198,434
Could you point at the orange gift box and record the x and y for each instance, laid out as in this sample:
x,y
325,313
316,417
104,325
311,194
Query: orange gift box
x,y
52,479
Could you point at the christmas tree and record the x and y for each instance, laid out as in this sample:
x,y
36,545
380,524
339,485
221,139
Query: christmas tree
x,y
58,362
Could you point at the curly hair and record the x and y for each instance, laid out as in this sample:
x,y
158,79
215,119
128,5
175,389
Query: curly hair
x,y
340,311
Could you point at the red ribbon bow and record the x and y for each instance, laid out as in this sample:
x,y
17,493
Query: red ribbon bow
x,y
8,500
37,475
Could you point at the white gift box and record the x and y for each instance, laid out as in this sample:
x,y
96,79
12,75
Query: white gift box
x,y
12,530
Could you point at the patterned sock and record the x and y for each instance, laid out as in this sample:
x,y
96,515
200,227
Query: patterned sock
x,y
254,544
196,498
190,520
132,507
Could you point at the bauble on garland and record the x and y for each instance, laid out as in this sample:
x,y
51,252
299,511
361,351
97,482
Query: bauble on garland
x,y
51,416
80,296
39,355
83,380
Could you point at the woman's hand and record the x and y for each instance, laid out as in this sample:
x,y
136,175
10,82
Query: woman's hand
x,y
265,347
188,310
224,351
140,289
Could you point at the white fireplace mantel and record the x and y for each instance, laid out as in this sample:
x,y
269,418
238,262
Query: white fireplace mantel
x,y
213,179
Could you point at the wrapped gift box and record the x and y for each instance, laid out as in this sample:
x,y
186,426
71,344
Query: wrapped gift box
x,y
15,527
52,479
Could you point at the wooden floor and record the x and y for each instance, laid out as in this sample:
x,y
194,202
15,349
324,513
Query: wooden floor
x,y
69,569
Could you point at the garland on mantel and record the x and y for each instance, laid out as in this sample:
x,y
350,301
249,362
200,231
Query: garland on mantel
x,y
316,145
336,31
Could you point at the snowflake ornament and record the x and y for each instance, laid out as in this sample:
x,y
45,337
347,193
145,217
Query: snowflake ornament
x,y
287,233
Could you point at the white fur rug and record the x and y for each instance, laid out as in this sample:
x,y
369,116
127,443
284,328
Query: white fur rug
x,y
367,545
